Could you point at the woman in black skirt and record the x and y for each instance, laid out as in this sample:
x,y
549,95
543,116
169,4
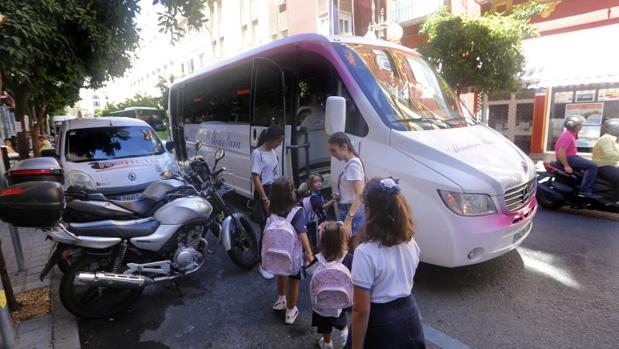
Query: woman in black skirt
x,y
385,314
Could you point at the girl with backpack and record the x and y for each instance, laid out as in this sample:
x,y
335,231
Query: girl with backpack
x,y
350,184
315,206
285,246
264,171
331,284
385,314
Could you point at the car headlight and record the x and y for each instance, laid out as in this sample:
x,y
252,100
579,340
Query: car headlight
x,y
468,204
81,180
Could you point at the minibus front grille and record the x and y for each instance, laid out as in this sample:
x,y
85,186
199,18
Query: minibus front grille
x,y
518,197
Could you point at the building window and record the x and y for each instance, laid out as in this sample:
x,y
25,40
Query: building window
x,y
96,103
182,68
190,66
323,24
201,60
245,43
345,19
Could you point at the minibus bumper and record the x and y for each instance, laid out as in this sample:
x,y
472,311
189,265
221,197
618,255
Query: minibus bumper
x,y
479,239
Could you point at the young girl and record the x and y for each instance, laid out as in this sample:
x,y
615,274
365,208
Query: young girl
x,y
283,200
385,314
350,183
264,171
333,246
315,206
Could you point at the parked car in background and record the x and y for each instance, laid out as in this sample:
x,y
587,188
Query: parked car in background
x,y
115,156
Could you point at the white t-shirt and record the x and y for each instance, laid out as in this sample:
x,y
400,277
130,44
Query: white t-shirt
x,y
265,164
353,171
387,272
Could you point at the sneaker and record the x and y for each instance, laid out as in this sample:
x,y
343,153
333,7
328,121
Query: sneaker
x,y
344,336
291,315
265,274
280,304
323,345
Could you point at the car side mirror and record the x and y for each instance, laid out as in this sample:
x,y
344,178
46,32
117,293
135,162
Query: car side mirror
x,y
335,115
169,146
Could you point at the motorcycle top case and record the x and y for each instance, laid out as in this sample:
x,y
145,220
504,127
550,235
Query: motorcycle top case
x,y
37,169
32,204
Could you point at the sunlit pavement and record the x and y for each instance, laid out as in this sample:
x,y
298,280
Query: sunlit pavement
x,y
560,289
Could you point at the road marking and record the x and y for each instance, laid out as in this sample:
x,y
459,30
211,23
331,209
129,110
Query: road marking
x,y
442,340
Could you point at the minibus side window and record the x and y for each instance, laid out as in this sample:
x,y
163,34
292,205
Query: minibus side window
x,y
223,96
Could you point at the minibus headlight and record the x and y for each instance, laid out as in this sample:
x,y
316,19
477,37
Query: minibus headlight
x,y
468,204
81,180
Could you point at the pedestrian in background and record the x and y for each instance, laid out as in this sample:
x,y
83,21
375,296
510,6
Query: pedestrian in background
x,y
385,314
350,183
264,171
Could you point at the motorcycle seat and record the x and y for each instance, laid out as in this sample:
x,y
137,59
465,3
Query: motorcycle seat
x,y
141,207
115,229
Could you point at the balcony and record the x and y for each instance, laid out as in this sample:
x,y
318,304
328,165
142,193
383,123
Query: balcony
x,y
414,10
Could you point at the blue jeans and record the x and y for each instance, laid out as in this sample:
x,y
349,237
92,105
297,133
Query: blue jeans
x,y
591,172
358,219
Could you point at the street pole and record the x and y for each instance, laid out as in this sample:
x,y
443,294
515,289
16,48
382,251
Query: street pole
x,y
6,326
17,246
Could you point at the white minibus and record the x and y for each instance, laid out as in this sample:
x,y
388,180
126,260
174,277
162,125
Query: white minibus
x,y
472,190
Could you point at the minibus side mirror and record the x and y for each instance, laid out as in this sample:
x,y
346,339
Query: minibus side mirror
x,y
335,114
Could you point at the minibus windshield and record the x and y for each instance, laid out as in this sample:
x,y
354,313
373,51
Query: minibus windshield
x,y
406,91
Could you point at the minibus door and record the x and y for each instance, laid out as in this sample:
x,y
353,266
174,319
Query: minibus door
x,y
268,105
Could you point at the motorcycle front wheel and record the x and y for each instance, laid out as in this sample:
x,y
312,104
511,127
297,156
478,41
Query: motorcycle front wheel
x,y
92,302
244,251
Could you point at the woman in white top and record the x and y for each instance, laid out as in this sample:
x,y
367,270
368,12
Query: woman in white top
x,y
264,171
350,183
385,314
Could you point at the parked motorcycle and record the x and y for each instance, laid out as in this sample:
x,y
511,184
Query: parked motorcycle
x,y
557,188
112,260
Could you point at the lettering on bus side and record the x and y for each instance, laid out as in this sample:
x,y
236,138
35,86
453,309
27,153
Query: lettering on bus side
x,y
222,142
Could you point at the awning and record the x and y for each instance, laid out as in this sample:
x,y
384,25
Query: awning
x,y
574,58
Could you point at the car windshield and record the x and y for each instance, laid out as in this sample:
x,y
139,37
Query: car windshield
x,y
106,143
406,91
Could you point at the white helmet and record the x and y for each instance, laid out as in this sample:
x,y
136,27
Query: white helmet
x,y
573,121
611,127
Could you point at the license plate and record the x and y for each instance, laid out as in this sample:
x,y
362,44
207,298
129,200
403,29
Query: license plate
x,y
130,197
521,233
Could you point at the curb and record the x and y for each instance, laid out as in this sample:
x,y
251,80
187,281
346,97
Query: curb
x,y
64,326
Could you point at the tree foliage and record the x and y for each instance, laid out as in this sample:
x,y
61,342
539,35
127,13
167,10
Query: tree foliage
x,y
191,11
135,101
482,53
164,87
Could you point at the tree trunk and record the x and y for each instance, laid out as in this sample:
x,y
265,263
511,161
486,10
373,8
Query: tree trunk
x,y
21,105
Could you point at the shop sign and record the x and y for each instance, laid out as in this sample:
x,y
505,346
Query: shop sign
x,y
608,94
564,97
585,96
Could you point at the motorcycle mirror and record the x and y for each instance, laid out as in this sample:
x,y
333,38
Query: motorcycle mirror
x,y
219,154
197,145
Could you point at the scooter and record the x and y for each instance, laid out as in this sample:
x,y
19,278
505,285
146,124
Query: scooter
x,y
557,188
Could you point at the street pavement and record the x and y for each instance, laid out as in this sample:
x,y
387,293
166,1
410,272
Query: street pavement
x,y
558,290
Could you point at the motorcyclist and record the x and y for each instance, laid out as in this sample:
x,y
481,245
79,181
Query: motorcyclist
x,y
566,153
606,153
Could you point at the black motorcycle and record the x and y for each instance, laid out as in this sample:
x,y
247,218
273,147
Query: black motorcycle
x,y
557,188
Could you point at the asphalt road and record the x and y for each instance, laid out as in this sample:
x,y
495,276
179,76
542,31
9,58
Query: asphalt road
x,y
560,289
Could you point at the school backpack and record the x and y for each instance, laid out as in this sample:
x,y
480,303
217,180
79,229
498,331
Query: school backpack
x,y
281,250
310,215
331,285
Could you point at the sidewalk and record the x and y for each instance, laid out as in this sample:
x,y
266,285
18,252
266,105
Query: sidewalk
x,y
57,329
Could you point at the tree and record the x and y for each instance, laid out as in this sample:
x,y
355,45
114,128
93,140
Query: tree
x,y
49,45
479,53
164,87
135,101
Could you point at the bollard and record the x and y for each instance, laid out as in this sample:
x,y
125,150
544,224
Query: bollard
x,y
6,326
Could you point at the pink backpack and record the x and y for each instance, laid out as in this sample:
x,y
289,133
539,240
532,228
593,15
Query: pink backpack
x,y
281,248
331,285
